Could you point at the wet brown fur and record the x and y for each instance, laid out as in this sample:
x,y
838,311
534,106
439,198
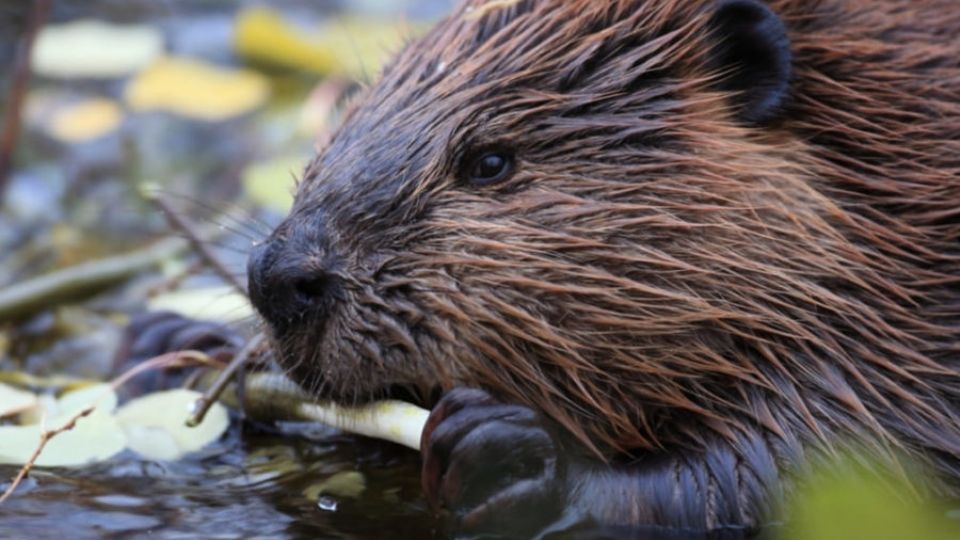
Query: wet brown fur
x,y
656,273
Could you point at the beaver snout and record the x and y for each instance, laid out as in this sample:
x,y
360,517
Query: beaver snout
x,y
289,285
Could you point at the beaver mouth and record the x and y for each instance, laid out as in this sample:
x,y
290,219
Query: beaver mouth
x,y
414,394
361,391
408,393
339,386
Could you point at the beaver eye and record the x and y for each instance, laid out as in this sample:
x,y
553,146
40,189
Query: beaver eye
x,y
489,168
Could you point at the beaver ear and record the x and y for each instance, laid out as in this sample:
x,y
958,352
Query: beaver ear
x,y
753,50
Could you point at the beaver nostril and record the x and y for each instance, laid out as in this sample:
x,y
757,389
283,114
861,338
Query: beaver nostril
x,y
313,289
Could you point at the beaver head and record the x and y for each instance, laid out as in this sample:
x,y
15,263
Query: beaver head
x,y
631,215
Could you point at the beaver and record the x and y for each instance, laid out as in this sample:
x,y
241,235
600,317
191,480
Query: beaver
x,y
656,254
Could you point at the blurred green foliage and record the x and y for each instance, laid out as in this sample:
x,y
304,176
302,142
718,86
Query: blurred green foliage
x,y
844,503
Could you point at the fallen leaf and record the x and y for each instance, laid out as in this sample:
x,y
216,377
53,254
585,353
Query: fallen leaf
x,y
46,406
15,401
223,304
156,428
95,437
349,46
94,49
197,90
74,401
86,120
262,35
270,183
344,485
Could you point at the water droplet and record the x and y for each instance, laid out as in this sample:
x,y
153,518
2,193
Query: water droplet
x,y
327,504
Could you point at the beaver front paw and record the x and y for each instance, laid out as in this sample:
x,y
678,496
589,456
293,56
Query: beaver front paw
x,y
154,333
495,468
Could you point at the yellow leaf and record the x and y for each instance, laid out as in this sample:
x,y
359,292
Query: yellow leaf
x,y
156,424
94,49
262,35
270,183
197,90
85,120
349,46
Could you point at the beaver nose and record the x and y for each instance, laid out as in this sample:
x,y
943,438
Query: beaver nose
x,y
286,285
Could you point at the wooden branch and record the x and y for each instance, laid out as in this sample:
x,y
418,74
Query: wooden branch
x,y
197,242
204,403
27,297
39,12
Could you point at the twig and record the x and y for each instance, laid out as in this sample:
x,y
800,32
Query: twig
x,y
18,87
24,298
203,404
168,360
177,359
45,437
202,248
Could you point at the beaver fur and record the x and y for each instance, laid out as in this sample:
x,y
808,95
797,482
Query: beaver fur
x,y
660,270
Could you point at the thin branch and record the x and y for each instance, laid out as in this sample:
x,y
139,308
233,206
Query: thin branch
x,y
164,361
200,246
203,404
77,281
45,437
18,88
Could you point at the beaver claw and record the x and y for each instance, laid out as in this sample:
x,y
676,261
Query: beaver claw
x,y
494,468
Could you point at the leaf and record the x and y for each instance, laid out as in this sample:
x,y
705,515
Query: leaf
x,y
95,437
73,402
852,506
46,405
350,46
156,428
222,304
263,35
344,485
197,90
94,49
270,183
15,401
86,120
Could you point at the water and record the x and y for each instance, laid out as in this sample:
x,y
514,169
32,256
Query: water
x,y
250,485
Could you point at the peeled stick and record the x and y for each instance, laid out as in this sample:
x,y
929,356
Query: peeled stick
x,y
271,396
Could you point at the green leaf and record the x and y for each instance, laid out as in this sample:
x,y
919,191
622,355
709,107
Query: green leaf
x,y
849,505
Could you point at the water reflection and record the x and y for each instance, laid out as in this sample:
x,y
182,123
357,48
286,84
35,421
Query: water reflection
x,y
251,485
